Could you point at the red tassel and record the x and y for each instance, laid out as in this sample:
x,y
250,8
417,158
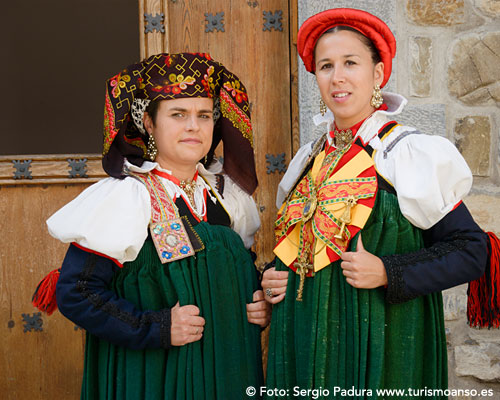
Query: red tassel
x,y
44,297
483,300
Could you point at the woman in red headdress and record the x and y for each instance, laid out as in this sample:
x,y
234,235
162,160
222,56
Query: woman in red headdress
x,y
371,227
159,270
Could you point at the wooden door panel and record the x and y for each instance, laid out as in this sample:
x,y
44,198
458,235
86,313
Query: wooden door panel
x,y
35,364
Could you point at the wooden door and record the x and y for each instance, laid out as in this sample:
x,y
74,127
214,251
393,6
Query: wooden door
x,y
41,356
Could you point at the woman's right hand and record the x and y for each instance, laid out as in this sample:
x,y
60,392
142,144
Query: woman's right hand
x,y
186,325
274,284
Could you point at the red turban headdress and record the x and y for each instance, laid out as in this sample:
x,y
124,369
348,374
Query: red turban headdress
x,y
367,24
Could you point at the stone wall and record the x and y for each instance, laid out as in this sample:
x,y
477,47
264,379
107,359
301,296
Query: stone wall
x,y
448,66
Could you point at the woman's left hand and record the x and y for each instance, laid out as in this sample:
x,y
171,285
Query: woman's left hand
x,y
259,312
362,269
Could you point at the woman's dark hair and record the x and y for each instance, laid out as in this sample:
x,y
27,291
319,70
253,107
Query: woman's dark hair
x,y
367,42
152,109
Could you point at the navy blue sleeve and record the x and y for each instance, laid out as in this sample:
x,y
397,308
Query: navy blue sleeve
x,y
455,252
84,297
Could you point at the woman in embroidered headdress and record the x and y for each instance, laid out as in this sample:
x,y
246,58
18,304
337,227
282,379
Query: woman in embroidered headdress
x,y
371,228
159,270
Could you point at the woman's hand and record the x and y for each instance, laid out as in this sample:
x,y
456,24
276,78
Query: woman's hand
x,y
362,269
187,325
259,312
274,285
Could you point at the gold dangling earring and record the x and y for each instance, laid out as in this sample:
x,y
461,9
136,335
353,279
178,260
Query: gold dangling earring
x,y
322,107
152,149
377,98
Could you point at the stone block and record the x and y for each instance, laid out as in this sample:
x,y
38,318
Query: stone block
x,y
473,73
473,136
481,361
455,303
436,12
489,7
385,10
494,91
485,210
420,51
427,118
486,56
492,41
484,335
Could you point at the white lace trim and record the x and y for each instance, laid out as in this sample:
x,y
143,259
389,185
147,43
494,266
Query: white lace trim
x,y
137,112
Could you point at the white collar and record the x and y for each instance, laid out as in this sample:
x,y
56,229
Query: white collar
x,y
148,166
369,129
395,104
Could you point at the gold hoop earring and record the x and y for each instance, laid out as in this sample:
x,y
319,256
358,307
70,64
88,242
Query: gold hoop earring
x,y
322,107
152,149
377,99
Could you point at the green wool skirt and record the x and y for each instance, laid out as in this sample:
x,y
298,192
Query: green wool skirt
x,y
220,280
346,342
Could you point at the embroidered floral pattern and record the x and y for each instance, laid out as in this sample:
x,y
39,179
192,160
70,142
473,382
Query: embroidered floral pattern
x,y
119,82
208,81
236,90
237,117
175,84
109,127
140,83
168,59
204,55
171,240
167,255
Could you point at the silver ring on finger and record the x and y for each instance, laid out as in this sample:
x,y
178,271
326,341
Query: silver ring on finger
x,y
197,331
269,292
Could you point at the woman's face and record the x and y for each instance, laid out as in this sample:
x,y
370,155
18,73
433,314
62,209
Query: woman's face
x,y
182,131
346,76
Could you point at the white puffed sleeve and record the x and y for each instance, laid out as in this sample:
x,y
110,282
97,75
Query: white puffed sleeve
x,y
429,174
245,220
110,217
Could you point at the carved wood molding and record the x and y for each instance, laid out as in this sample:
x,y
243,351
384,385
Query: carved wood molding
x,y
50,169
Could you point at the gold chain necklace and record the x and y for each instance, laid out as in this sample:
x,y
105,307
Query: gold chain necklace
x,y
342,140
189,188
342,137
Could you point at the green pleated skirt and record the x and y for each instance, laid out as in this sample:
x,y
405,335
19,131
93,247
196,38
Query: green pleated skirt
x,y
220,280
350,341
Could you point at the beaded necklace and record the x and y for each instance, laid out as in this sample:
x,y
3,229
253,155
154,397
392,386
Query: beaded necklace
x,y
188,187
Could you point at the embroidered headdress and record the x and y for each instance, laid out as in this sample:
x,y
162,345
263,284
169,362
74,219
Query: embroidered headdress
x,y
173,76
367,24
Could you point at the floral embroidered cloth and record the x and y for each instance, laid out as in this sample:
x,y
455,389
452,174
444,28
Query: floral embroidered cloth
x,y
327,208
